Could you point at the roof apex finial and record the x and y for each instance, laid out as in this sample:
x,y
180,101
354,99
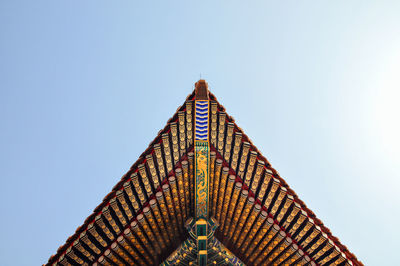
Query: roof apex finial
x,y
201,90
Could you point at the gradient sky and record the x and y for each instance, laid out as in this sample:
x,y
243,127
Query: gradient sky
x,y
86,85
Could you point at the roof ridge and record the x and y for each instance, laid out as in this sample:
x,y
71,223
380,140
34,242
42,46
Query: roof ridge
x,y
158,139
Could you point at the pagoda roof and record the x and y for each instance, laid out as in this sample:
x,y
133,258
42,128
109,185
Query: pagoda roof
x,y
259,218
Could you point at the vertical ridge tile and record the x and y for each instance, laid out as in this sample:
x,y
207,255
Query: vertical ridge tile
x,y
267,241
221,192
167,152
106,213
236,150
189,123
175,145
233,202
171,209
172,228
182,133
221,132
136,239
227,198
138,188
278,201
250,168
146,229
122,242
257,176
213,132
260,240
238,212
125,207
243,159
120,251
250,240
131,196
211,181
145,180
191,179
181,191
186,180
228,142
243,218
217,174
151,221
265,184
153,171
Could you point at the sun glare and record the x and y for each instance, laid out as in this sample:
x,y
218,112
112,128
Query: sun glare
x,y
386,109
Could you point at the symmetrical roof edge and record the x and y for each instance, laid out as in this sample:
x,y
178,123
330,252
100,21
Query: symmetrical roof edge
x,y
69,242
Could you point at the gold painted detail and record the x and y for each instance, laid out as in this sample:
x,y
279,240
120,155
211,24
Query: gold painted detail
x,y
213,133
201,165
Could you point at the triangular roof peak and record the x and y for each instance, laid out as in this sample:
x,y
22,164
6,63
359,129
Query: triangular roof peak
x,y
143,220
201,90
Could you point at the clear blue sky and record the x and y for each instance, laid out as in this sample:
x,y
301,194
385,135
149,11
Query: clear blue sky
x,y
86,85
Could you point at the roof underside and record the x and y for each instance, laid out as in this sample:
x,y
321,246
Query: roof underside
x,y
260,219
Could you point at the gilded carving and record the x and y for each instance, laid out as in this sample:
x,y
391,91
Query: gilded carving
x,y
265,184
275,186
224,177
110,220
236,150
202,162
288,202
182,194
168,200
176,200
221,132
243,160
213,133
243,217
93,232
189,122
136,233
260,253
132,197
251,239
145,180
121,253
227,200
174,139
154,226
167,152
278,201
250,168
153,171
172,230
243,233
233,202
217,179
263,235
114,206
182,133
211,179
192,181
228,141
186,186
122,201
146,230
236,217
85,239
